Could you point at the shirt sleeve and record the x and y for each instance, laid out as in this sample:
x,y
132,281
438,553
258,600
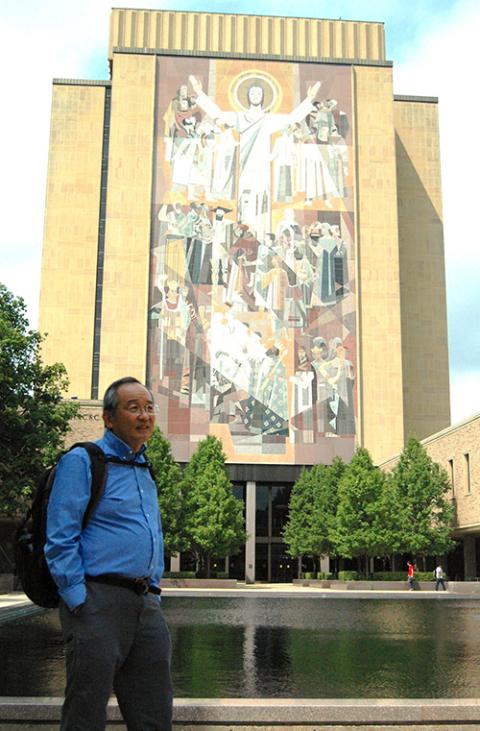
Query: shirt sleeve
x,y
66,507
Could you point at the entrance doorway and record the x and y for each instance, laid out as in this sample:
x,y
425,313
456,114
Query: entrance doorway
x,y
272,562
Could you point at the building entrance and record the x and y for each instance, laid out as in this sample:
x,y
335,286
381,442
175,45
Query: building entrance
x,y
272,562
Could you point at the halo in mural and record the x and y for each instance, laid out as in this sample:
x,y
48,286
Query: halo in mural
x,y
239,90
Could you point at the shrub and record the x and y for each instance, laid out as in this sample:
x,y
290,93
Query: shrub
x,y
221,575
426,576
402,576
390,576
179,575
348,575
323,575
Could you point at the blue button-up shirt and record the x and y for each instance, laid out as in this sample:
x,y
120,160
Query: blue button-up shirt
x,y
124,534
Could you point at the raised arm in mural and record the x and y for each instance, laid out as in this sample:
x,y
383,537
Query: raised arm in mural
x,y
254,125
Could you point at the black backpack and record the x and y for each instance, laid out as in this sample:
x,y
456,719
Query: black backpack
x,y
30,564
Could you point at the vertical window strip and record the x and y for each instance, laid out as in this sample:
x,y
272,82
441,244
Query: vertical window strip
x,y
184,31
146,29
121,28
356,45
451,474
97,327
233,21
196,32
158,31
208,33
221,33
133,29
282,36
467,469
307,39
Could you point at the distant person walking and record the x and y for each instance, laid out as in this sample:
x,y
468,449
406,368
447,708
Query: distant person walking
x,y
411,574
439,578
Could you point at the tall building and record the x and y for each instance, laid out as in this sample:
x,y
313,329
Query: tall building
x,y
247,217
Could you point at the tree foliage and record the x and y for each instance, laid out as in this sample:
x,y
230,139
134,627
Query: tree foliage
x,y
215,522
312,510
388,525
358,518
171,497
425,514
34,418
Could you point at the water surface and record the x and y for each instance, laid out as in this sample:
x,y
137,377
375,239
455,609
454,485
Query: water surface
x,y
275,647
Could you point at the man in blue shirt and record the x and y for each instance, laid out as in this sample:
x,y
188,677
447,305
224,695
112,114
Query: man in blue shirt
x,y
108,575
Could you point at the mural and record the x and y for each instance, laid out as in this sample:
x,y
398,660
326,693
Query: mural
x,y
252,283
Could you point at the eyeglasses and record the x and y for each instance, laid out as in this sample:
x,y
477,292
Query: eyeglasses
x,y
149,409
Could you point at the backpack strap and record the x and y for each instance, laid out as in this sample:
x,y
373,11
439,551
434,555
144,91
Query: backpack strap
x,y
132,463
98,466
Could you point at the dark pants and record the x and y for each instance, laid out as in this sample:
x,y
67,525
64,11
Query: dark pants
x,y
439,582
118,641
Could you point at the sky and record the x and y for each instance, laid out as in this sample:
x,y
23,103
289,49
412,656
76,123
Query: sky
x,y
434,47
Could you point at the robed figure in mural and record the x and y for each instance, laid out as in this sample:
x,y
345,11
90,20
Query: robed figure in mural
x,y
252,261
255,127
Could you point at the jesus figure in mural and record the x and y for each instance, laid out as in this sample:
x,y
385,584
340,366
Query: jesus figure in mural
x,y
255,126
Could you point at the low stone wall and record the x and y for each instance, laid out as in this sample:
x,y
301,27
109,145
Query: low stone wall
x,y
464,587
456,587
247,714
199,583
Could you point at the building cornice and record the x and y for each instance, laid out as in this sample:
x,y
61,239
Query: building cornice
x,y
252,57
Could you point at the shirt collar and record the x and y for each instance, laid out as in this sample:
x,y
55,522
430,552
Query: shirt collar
x,y
119,447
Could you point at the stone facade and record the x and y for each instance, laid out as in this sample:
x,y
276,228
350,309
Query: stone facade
x,y
456,450
98,277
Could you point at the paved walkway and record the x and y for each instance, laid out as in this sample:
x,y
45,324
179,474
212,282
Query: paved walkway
x,y
16,602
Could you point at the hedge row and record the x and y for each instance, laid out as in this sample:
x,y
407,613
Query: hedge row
x,y
193,575
377,576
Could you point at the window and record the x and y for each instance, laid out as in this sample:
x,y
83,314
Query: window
x,y
262,512
467,471
451,475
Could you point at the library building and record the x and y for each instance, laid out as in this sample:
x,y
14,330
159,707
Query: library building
x,y
246,218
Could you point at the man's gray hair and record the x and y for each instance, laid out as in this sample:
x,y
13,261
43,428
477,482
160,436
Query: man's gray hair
x,y
110,399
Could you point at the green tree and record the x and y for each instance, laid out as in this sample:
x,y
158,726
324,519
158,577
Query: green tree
x,y
389,528
425,514
357,529
214,516
34,418
171,497
312,509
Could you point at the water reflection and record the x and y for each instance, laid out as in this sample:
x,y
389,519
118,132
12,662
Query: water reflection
x,y
267,647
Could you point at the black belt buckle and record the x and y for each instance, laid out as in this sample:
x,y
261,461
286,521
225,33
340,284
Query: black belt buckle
x,y
141,586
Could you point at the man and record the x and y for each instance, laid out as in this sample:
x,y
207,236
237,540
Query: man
x,y
439,578
108,575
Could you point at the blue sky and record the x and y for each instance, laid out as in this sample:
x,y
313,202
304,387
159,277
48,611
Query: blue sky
x,y
433,45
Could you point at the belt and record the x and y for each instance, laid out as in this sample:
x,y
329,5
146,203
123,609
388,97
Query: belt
x,y
139,586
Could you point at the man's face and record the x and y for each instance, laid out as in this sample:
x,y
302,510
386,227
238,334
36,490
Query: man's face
x,y
134,417
255,95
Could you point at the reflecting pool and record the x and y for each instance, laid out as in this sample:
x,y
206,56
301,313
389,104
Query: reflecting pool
x,y
275,647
